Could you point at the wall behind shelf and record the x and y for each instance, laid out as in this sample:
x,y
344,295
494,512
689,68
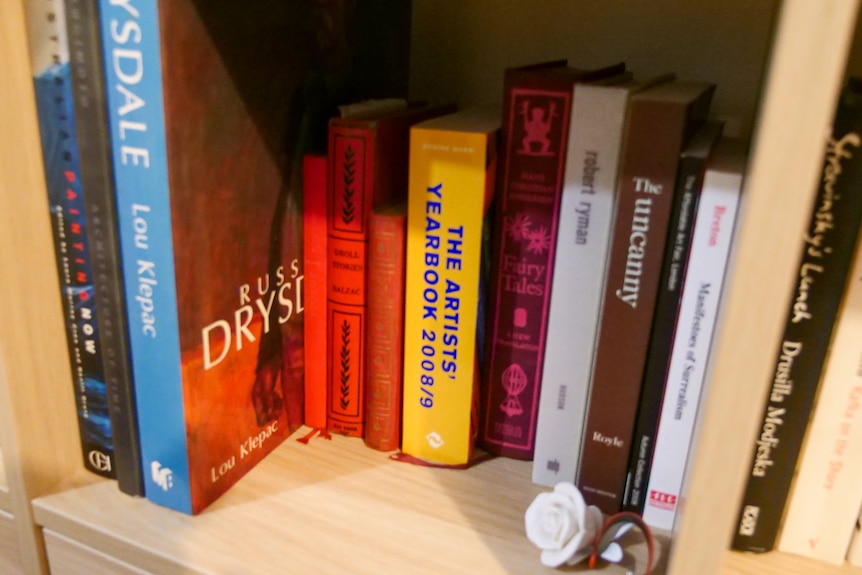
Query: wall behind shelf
x,y
461,47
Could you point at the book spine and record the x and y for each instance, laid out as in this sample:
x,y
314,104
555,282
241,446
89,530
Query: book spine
x,y
686,372
350,193
448,181
827,249
385,346
854,550
88,88
586,215
314,254
133,72
674,265
823,506
535,135
821,516
62,165
648,172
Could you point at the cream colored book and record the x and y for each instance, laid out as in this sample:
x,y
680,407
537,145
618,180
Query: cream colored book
x,y
854,553
826,496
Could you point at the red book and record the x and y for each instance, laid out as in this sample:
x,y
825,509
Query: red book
x,y
314,253
385,350
367,166
536,108
660,121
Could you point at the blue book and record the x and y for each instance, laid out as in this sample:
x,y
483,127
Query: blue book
x,y
210,113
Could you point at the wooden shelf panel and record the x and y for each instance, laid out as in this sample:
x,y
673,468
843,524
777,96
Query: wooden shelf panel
x,y
10,555
5,498
328,507
775,563
68,557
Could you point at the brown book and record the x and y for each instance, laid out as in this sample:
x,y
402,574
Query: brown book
x,y
367,167
385,346
536,109
660,121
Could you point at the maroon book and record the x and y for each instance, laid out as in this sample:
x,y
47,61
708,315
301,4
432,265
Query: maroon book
x,y
660,121
387,238
536,107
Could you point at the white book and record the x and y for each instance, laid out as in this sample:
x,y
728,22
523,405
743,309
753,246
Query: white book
x,y
823,506
585,221
699,303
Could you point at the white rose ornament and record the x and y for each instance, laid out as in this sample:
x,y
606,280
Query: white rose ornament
x,y
567,530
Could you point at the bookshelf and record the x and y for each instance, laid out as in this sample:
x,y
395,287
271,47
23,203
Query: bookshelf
x,y
338,507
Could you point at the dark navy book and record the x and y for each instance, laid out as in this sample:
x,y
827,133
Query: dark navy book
x,y
56,115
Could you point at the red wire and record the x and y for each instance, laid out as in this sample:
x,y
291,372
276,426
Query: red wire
x,y
625,517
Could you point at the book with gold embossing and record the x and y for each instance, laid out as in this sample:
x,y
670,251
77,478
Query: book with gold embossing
x,y
537,103
367,166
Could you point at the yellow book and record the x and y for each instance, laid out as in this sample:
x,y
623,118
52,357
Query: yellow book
x,y
451,184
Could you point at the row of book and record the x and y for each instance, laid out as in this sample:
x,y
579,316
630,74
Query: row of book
x,y
538,283
234,259
803,493
173,136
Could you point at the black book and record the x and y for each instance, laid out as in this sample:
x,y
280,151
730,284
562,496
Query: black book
x,y
82,25
61,162
689,181
827,250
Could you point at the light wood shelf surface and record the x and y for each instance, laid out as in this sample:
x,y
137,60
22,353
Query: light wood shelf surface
x,y
775,563
327,507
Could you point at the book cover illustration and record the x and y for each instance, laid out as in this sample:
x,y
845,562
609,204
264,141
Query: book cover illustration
x,y
209,187
62,165
827,248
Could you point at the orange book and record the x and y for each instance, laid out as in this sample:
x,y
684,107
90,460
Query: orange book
x,y
367,166
314,253
385,349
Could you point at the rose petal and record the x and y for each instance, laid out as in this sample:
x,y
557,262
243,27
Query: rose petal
x,y
556,557
534,521
548,521
578,505
561,525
